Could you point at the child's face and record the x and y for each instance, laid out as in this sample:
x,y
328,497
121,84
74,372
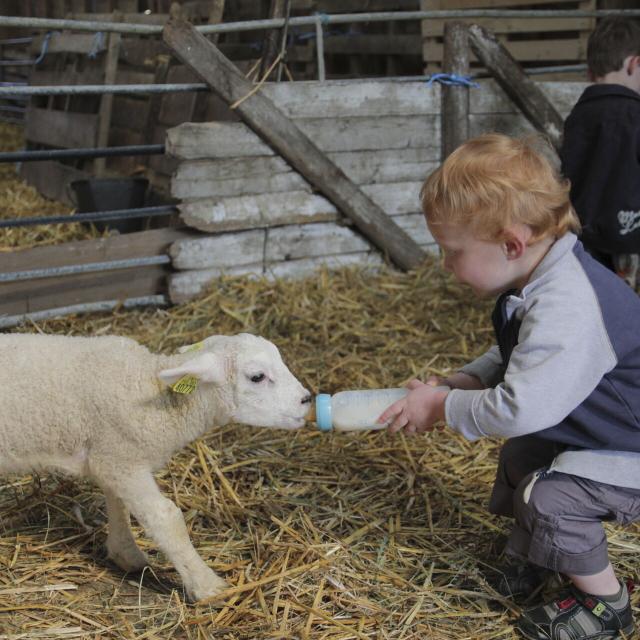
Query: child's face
x,y
484,265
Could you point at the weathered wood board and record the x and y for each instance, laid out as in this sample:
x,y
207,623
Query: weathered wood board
x,y
267,220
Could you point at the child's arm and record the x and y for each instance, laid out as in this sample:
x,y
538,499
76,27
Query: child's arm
x,y
458,380
418,411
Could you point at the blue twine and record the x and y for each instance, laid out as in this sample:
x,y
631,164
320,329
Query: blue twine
x,y
97,45
452,79
43,48
324,17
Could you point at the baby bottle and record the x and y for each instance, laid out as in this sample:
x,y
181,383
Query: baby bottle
x,y
354,410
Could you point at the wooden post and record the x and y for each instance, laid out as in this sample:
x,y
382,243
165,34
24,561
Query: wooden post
x,y
263,117
106,102
270,43
455,98
516,84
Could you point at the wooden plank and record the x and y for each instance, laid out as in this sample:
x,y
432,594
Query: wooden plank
x,y
61,129
311,240
271,39
435,28
221,251
491,99
117,247
306,267
192,189
372,43
497,4
455,99
106,100
185,285
532,51
264,210
36,295
260,113
356,98
363,167
234,139
516,84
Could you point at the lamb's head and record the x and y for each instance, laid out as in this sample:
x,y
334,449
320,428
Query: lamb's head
x,y
248,371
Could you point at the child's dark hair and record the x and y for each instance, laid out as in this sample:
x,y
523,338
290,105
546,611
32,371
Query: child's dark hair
x,y
613,40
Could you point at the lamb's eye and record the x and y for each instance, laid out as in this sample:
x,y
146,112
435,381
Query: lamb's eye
x,y
259,377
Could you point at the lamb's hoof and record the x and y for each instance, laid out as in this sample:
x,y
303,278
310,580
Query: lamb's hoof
x,y
129,560
212,586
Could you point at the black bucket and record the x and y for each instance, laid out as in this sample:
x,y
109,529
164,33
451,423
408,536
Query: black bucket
x,y
109,194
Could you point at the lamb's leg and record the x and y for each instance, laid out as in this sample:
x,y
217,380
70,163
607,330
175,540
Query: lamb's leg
x,y
163,521
121,545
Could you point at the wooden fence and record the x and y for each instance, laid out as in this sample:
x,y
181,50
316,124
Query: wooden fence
x,y
261,217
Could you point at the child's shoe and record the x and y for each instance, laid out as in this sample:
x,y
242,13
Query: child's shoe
x,y
518,581
580,616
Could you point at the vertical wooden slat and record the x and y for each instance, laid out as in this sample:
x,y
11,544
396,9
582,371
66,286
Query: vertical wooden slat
x,y
106,102
455,98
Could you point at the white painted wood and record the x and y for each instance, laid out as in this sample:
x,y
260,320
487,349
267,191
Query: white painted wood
x,y
271,209
221,251
192,140
186,285
191,189
263,210
308,266
363,167
353,98
489,98
312,240
415,225
226,139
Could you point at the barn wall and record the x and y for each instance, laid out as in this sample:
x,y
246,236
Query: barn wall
x,y
259,216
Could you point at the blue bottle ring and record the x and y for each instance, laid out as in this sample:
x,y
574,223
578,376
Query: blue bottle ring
x,y
323,412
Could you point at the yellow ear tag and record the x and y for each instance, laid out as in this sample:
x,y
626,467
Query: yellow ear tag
x,y
186,384
196,346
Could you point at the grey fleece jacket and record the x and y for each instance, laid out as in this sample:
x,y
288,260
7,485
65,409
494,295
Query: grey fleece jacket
x,y
573,375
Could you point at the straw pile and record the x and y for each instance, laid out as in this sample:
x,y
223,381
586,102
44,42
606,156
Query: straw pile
x,y
19,200
323,536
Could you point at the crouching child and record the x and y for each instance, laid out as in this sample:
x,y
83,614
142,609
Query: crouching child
x,y
562,383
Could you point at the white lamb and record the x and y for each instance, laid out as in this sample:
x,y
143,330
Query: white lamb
x,y
101,408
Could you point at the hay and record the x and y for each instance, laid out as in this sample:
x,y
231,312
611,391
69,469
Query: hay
x,y
19,200
323,536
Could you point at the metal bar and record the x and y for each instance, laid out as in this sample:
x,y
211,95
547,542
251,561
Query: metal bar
x,y
75,89
99,152
320,48
345,18
90,267
93,216
87,307
54,90
25,40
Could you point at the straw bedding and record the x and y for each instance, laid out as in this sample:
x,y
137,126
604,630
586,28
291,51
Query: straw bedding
x,y
332,536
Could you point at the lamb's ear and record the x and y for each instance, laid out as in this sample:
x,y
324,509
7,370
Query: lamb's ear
x,y
206,367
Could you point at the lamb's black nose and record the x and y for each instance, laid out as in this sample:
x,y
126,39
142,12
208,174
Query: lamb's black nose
x,y
307,399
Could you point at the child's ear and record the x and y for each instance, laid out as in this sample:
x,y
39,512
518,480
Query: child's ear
x,y
516,241
632,64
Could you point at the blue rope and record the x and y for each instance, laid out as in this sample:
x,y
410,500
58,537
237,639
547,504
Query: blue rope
x,y
324,17
452,79
44,48
97,45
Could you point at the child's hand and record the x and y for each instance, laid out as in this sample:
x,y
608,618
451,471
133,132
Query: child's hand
x,y
457,380
418,411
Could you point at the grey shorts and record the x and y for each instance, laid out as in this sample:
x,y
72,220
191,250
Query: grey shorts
x,y
558,521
